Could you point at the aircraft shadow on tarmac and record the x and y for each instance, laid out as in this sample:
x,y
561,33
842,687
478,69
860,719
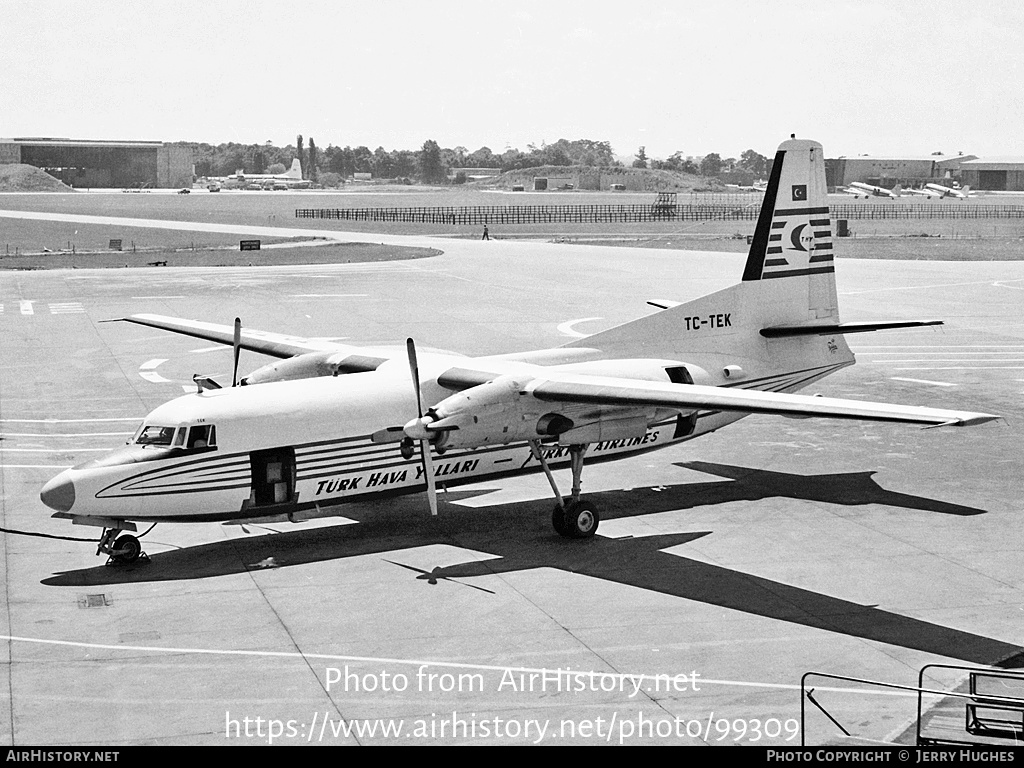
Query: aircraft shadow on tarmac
x,y
520,535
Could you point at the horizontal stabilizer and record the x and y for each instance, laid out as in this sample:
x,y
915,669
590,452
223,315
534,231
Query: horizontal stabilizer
x,y
827,329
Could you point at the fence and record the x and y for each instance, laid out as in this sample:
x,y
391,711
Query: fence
x,y
637,213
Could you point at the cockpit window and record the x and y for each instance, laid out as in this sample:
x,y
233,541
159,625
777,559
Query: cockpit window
x,y
202,436
151,435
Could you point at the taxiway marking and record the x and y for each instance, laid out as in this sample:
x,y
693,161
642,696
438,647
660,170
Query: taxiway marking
x,y
148,371
905,690
566,328
26,307
55,450
953,360
67,421
923,287
66,308
67,434
923,381
36,466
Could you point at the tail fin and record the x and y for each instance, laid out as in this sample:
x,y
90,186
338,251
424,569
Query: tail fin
x,y
793,239
295,172
897,190
788,279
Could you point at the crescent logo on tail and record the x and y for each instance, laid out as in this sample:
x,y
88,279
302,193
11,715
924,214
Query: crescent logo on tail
x,y
795,238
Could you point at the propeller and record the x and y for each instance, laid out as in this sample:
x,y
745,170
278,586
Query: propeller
x,y
237,347
417,429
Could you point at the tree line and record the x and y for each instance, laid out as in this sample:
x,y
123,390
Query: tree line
x,y
431,164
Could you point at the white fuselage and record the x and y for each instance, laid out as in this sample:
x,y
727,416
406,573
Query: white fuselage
x,y
292,447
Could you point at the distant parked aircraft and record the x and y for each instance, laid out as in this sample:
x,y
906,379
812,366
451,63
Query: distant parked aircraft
x,y
858,189
939,191
290,179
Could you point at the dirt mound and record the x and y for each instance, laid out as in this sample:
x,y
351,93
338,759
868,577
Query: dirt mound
x,y
28,178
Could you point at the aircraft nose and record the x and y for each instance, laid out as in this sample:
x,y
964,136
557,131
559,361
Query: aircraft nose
x,y
59,494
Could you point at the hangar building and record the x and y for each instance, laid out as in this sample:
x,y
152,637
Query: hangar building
x,y
996,174
890,171
86,163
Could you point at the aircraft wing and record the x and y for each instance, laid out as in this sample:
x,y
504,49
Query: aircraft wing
x,y
610,391
273,344
629,392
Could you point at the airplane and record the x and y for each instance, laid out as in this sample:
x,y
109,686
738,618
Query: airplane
x,y
290,179
858,189
757,186
939,191
328,423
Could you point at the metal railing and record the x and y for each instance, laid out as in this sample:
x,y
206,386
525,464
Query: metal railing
x,y
640,213
976,722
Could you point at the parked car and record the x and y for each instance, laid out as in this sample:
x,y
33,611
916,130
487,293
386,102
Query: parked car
x,y
184,191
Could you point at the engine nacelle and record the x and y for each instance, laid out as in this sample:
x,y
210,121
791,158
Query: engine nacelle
x,y
311,365
494,413
306,366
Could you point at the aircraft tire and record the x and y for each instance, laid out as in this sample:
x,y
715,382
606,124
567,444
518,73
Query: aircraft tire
x,y
558,520
129,547
581,520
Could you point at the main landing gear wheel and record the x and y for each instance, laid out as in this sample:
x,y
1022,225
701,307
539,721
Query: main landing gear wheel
x,y
127,549
580,521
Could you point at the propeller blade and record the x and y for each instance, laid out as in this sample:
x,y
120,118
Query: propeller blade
x,y
410,345
428,468
237,344
425,458
388,435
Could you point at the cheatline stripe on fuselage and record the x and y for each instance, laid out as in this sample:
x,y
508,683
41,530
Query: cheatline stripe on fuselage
x,y
313,469
230,464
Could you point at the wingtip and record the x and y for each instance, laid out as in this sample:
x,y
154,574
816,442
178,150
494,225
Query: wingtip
x,y
971,420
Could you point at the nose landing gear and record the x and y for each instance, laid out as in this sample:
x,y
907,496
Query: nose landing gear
x,y
122,550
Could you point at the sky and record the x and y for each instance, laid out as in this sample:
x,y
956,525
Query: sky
x,y
861,76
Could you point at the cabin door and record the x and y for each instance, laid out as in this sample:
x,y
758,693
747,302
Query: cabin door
x,y
273,476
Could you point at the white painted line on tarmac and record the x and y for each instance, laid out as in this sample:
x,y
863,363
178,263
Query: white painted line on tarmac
x,y
26,307
567,329
923,381
54,450
146,371
954,360
917,287
625,677
989,349
35,466
328,295
67,434
158,297
967,368
67,421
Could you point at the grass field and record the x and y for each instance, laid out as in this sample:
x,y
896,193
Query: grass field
x,y
933,239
